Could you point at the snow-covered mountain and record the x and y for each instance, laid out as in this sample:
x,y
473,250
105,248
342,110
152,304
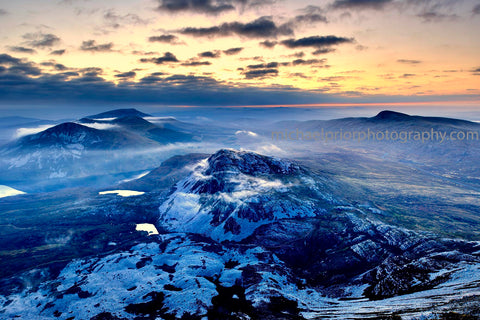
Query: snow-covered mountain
x,y
230,194
246,236
88,147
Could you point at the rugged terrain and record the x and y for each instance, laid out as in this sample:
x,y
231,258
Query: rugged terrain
x,y
245,235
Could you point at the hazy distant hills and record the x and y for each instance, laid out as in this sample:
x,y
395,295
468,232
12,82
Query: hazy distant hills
x,y
110,142
119,113
128,140
444,146
9,127
385,120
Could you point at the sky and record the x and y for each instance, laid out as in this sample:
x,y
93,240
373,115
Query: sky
x,y
238,52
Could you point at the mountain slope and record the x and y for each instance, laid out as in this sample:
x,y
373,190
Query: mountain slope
x,y
246,235
118,113
73,151
440,146
232,193
70,133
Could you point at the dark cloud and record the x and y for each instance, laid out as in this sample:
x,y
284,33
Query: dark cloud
x,y
232,51
167,57
151,79
144,53
54,65
126,75
476,9
92,46
308,62
333,78
202,6
3,12
115,21
8,59
209,54
92,74
41,40
276,65
256,58
261,73
22,50
408,61
360,4
299,75
262,27
432,16
213,7
17,67
195,63
299,54
323,51
164,38
58,52
176,81
407,75
434,10
310,15
269,65
60,67
268,44
318,42
26,69
87,86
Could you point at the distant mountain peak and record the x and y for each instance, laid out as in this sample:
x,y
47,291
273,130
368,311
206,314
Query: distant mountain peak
x,y
391,115
66,129
248,163
119,113
132,120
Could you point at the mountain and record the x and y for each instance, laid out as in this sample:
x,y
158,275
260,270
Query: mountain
x,y
232,193
248,236
64,150
383,120
69,153
387,115
20,121
12,127
77,136
118,113
152,131
441,146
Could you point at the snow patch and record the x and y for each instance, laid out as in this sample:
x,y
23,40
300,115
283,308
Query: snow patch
x,y
123,193
136,177
150,228
6,191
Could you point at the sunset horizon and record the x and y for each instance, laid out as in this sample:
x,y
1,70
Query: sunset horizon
x,y
239,52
